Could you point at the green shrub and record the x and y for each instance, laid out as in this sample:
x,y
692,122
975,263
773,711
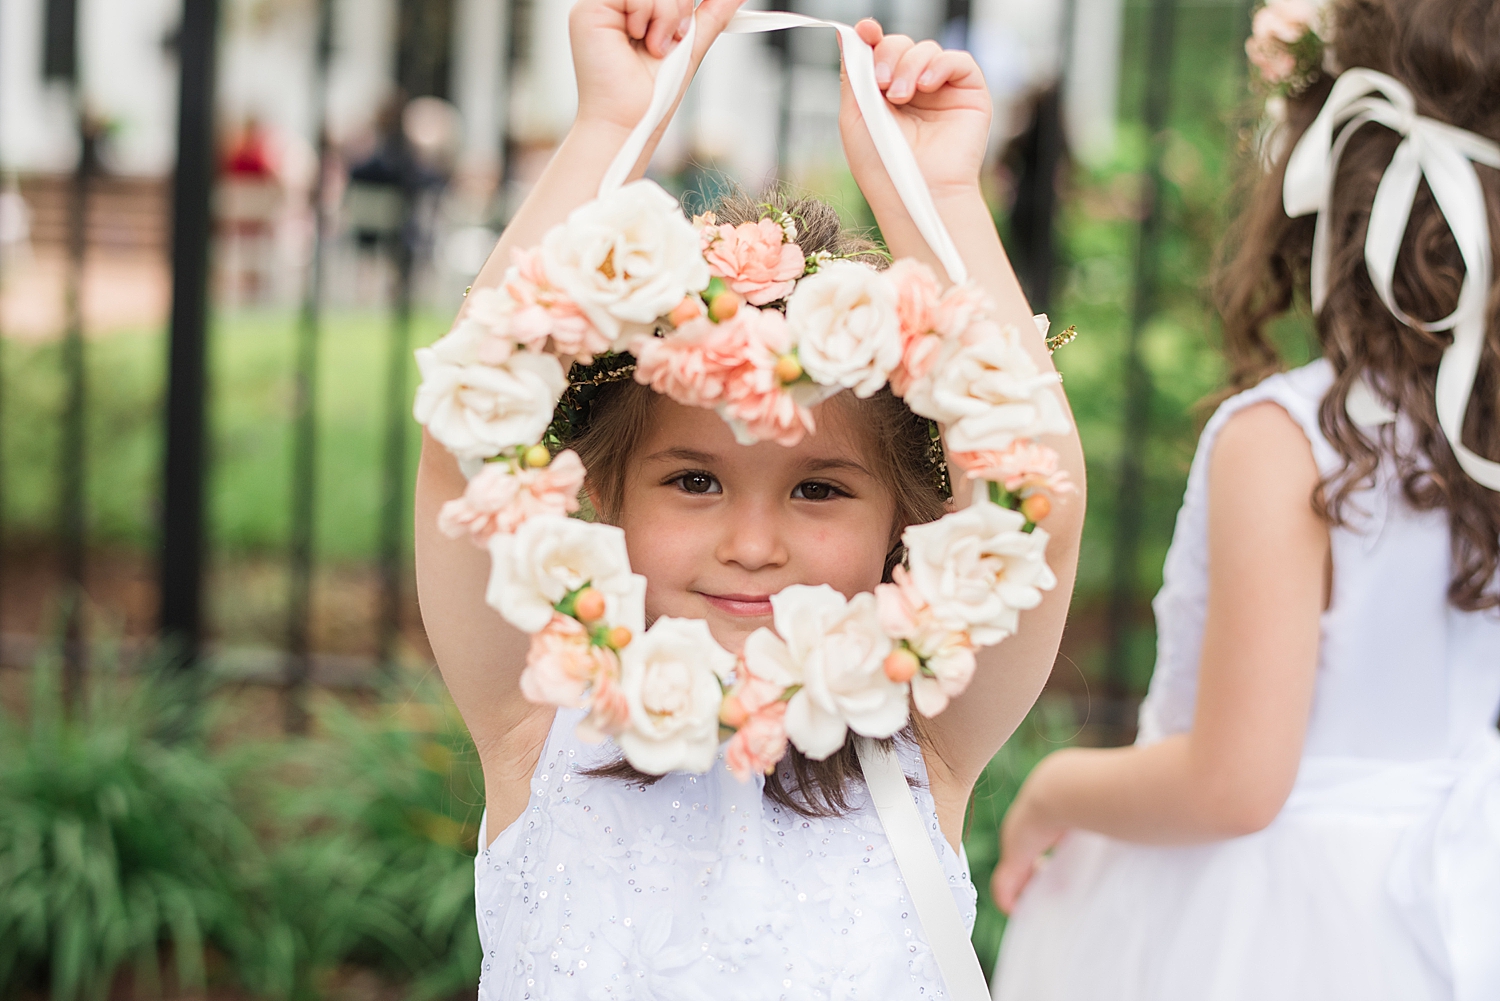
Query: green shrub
x,y
114,841
377,823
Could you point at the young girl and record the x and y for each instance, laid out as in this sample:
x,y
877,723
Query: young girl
x,y
1312,809
596,881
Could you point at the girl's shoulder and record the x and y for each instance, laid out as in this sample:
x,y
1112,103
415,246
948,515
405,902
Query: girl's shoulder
x,y
1300,393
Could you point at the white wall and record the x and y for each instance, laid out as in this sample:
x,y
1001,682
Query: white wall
x,y
265,69
127,75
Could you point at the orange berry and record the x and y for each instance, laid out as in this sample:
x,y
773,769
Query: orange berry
x,y
537,456
620,637
724,307
686,311
788,369
589,606
1036,507
732,712
901,665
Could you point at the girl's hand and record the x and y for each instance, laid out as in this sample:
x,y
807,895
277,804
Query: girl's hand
x,y
618,47
942,105
1025,836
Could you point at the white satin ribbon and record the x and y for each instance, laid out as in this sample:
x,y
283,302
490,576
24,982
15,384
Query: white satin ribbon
x,y
1445,155
859,63
922,873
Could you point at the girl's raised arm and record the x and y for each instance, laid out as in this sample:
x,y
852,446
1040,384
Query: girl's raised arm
x,y
618,47
941,103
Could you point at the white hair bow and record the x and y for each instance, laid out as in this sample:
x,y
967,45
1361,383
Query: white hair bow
x,y
1445,155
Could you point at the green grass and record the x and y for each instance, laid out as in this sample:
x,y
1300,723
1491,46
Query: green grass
x,y
250,394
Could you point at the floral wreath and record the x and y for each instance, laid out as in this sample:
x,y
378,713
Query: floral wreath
x,y
1289,46
738,319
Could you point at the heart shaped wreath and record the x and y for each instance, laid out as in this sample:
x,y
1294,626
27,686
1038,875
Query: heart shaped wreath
x,y
738,319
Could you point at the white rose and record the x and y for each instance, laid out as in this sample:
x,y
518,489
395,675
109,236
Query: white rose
x,y
835,649
550,555
670,677
478,410
952,665
626,259
978,570
846,328
988,391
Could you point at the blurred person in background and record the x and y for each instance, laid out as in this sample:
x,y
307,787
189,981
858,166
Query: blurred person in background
x,y
250,199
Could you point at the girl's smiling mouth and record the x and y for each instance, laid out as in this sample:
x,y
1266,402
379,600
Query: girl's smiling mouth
x,y
743,605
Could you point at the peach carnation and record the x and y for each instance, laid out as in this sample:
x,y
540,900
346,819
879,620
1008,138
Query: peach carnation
x,y
562,664
754,259
1022,468
696,364
500,498
1277,26
918,297
542,311
760,744
609,710
764,410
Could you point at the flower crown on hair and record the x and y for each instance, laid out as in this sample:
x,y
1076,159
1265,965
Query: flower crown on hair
x,y
1288,45
700,306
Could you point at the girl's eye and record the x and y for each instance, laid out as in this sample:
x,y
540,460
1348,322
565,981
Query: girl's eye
x,y
815,491
698,483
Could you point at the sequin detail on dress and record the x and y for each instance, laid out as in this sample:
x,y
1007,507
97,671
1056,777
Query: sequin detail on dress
x,y
698,888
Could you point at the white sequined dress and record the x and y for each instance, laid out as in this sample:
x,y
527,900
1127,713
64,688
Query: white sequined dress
x,y
698,887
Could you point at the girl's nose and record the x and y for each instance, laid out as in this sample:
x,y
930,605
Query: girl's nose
x,y
752,538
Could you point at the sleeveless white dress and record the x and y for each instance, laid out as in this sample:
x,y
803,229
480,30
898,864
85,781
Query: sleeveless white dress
x,y
1380,878
697,887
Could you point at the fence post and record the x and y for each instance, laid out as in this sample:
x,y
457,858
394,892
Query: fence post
x,y
72,520
60,62
181,569
398,413
1138,390
305,427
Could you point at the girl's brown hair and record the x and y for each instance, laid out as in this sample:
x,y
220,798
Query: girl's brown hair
x,y
1448,53
898,444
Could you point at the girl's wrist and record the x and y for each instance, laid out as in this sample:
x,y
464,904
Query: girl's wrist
x,y
1042,801
599,133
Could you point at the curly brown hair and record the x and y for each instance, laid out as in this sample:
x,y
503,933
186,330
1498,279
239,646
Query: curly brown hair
x,y
1448,53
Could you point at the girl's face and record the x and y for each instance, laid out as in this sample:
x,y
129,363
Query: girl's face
x,y
717,527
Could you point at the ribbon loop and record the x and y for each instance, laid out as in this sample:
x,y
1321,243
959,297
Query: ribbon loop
x,y
1445,156
859,62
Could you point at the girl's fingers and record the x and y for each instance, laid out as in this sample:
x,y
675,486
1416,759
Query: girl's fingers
x,y
638,17
888,54
870,31
1010,879
713,17
913,63
666,18
952,67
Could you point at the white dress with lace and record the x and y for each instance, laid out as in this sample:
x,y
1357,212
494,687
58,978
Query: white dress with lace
x,y
697,887
1380,878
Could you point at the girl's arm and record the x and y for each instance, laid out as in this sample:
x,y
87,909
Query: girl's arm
x,y
940,100
617,47
1231,774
